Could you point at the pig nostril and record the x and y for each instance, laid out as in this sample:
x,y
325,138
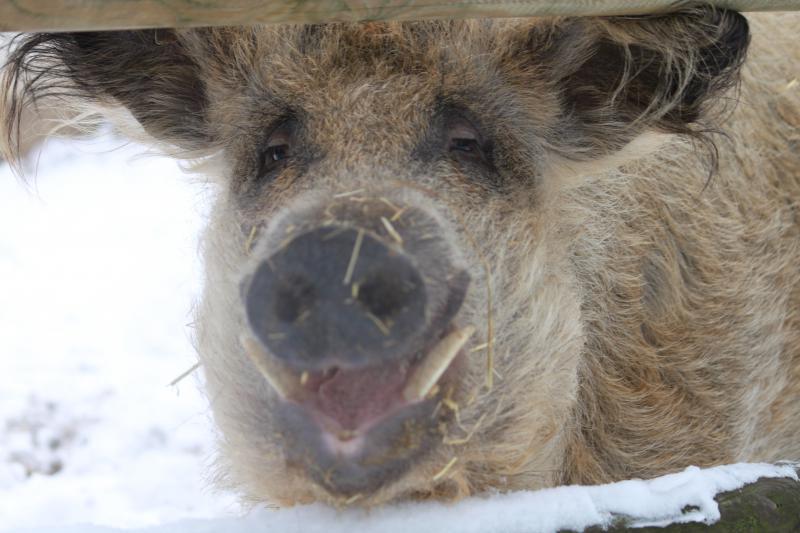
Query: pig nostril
x,y
298,306
384,295
294,299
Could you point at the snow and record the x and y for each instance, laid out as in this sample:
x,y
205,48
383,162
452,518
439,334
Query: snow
x,y
98,272
655,502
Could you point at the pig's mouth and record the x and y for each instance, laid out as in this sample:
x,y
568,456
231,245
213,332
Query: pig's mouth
x,y
348,402
355,429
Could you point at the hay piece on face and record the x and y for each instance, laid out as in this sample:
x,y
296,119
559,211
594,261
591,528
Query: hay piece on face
x,y
434,365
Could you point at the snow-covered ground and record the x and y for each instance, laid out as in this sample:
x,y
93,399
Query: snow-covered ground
x,y
686,496
98,272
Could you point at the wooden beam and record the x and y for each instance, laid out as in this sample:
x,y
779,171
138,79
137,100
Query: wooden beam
x,y
76,15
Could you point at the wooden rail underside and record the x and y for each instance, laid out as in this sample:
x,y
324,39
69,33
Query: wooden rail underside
x,y
77,15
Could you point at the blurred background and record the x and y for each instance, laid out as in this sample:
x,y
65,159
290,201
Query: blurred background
x,y
99,271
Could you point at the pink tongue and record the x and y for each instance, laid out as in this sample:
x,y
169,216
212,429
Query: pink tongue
x,y
355,397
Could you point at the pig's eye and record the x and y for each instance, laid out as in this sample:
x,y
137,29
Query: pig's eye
x,y
464,145
277,150
464,141
277,153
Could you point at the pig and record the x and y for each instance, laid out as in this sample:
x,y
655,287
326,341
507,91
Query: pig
x,y
451,257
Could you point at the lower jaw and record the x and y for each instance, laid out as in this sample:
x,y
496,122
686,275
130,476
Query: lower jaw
x,y
351,464
365,463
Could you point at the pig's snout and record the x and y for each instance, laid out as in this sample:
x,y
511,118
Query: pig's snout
x,y
336,295
353,321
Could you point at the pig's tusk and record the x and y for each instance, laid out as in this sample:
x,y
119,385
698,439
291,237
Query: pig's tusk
x,y
432,367
278,377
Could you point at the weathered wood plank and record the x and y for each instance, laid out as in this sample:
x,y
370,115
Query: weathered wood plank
x,y
74,15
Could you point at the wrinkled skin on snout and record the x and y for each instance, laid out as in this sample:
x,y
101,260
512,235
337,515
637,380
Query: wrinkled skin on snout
x,y
447,257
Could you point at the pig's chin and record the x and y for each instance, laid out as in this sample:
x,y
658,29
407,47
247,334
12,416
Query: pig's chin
x,y
356,430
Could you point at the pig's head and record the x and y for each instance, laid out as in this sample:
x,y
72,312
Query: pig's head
x,y
390,307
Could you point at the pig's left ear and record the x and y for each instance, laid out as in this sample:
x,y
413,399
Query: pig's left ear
x,y
152,73
620,76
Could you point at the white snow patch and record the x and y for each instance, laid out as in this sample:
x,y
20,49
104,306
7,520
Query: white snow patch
x,y
655,502
98,272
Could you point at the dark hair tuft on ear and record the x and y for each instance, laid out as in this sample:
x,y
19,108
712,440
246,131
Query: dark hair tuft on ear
x,y
620,76
149,72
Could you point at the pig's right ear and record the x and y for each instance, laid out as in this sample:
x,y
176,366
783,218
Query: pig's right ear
x,y
620,76
149,72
